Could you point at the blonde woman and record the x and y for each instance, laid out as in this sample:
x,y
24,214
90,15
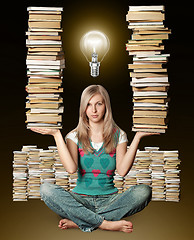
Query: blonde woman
x,y
95,148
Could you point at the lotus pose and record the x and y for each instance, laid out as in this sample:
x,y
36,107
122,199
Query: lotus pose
x,y
95,148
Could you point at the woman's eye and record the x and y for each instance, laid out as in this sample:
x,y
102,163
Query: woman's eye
x,y
100,104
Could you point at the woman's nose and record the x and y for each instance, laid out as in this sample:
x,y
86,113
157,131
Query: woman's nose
x,y
94,108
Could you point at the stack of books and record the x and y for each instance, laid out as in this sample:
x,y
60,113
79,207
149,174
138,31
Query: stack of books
x,y
61,175
34,173
20,176
158,175
72,181
158,169
118,182
131,179
172,178
45,63
142,167
149,76
46,165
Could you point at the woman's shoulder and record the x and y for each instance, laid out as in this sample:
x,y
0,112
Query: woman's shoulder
x,y
122,136
72,135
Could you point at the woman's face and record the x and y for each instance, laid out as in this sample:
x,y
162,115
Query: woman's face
x,y
96,108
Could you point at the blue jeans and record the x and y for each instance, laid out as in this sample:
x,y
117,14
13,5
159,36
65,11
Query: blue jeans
x,y
88,212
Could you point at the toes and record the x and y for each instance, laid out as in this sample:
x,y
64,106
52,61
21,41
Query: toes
x,y
61,222
128,230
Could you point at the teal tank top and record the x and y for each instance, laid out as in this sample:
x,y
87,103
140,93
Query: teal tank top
x,y
96,171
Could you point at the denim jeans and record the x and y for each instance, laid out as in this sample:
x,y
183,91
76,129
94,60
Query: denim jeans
x,y
88,212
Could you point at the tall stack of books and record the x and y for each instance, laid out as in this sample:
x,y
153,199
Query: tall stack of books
x,y
46,165
172,178
20,176
149,77
158,175
61,175
45,63
34,173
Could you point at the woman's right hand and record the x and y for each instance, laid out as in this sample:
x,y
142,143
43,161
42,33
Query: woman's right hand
x,y
45,131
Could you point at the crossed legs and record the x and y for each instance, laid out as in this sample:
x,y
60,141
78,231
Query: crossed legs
x,y
77,211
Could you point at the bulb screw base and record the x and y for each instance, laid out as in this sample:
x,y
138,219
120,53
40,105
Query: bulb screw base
x,y
94,69
94,65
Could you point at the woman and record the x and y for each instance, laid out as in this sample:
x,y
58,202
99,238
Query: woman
x,y
95,148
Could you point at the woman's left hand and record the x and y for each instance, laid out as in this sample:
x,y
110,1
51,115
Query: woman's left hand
x,y
143,134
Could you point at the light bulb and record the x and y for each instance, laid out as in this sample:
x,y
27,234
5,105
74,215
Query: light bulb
x,y
94,45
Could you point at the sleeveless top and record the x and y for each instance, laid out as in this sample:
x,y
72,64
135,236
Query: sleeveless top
x,y
96,171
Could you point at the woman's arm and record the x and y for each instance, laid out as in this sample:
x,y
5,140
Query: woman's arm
x,y
124,157
68,153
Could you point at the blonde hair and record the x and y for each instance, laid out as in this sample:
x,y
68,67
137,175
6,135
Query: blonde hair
x,y
83,127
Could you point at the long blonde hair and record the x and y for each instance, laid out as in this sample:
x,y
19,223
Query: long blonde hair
x,y
83,127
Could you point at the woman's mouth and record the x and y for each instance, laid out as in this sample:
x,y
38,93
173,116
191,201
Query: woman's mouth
x,y
94,116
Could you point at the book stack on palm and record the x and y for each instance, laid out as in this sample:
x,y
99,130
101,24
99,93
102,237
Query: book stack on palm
x,y
148,72
45,63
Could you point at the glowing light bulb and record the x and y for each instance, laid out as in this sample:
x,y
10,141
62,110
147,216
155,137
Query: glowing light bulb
x,y
94,45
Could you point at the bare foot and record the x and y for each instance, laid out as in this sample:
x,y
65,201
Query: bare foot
x,y
66,224
122,226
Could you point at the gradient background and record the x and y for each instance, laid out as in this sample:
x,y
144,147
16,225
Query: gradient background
x,y
32,219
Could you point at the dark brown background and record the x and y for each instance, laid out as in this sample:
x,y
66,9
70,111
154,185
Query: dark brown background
x,y
32,219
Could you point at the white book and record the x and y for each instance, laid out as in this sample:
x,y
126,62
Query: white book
x,y
145,26
60,9
172,180
20,152
144,53
35,77
41,110
147,8
145,23
152,148
54,33
46,67
151,79
150,105
43,96
152,93
46,73
45,62
42,42
172,151
45,30
162,57
149,84
43,124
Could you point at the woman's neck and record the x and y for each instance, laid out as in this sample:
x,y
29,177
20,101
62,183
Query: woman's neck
x,y
96,131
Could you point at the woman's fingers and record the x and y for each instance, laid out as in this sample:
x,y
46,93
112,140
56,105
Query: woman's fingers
x,y
40,130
